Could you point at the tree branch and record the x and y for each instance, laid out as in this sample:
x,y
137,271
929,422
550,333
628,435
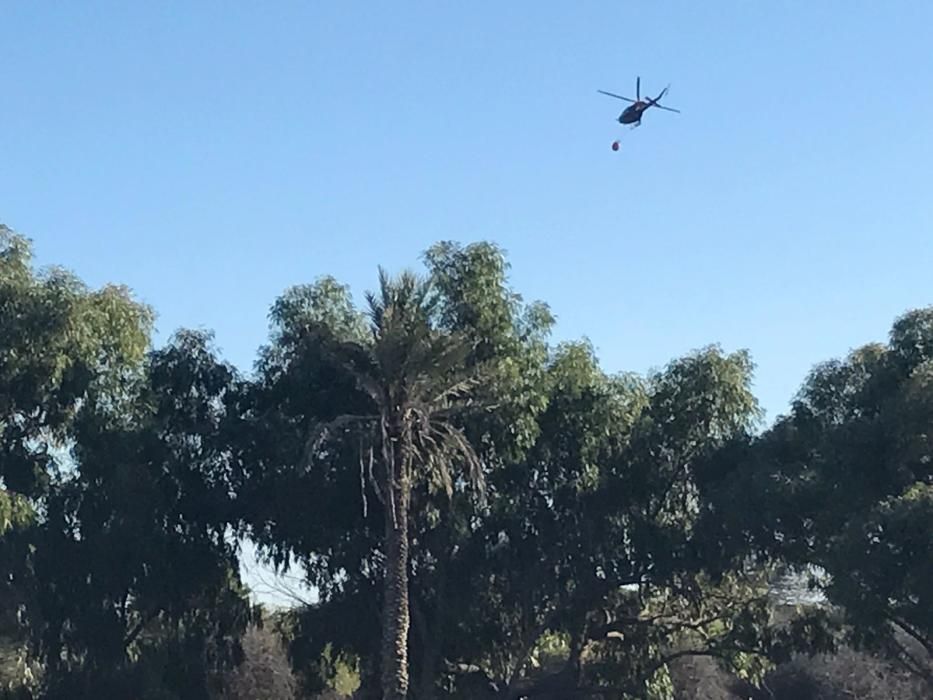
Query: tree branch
x,y
138,628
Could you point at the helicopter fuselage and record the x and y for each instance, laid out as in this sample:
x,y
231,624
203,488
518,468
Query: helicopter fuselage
x,y
633,113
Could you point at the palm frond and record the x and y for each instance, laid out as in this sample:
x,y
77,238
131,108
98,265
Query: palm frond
x,y
440,474
414,368
454,446
321,431
375,312
357,361
461,390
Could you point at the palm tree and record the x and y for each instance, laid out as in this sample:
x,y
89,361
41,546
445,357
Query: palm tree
x,y
416,380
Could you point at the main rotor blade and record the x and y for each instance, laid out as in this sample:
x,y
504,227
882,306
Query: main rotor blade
x,y
638,87
656,101
618,97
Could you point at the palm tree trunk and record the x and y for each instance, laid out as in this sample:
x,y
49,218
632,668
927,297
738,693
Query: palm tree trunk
x,y
395,613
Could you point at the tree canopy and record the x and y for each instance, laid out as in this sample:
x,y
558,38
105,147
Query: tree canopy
x,y
843,485
480,511
118,569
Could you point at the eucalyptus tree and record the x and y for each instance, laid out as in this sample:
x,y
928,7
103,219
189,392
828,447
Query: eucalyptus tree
x,y
136,580
115,467
61,345
843,485
595,567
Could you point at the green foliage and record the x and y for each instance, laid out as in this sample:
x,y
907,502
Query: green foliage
x,y
406,385
136,581
603,498
15,511
594,532
549,530
843,484
508,338
117,474
61,342
301,386
62,345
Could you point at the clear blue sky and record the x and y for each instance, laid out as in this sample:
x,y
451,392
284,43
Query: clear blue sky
x,y
211,154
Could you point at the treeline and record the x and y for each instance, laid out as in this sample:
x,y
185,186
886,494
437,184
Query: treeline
x,y
482,513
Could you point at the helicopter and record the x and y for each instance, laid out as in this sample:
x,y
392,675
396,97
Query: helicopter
x,y
633,113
